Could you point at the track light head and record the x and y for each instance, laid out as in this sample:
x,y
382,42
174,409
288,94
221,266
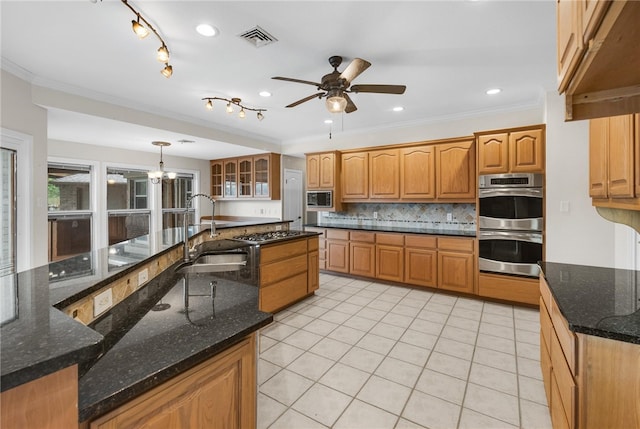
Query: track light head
x,y
209,104
260,116
163,54
242,115
167,71
140,30
229,107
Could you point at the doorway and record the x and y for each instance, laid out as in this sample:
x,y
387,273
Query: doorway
x,y
293,198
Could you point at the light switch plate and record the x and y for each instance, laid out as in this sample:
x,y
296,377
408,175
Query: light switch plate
x,y
143,276
102,302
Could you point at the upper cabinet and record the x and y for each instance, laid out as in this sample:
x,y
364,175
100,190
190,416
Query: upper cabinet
x,y
418,173
614,161
255,176
456,171
322,170
598,57
384,174
355,176
517,151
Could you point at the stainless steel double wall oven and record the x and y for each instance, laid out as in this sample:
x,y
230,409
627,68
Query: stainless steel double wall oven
x,y
511,211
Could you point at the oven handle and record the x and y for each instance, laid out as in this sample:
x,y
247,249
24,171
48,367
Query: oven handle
x,y
531,237
517,192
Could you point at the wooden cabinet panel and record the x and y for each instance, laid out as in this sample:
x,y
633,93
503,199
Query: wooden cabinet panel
x,y
546,327
564,379
420,241
570,44
421,267
558,416
276,271
598,175
455,271
313,273
217,178
389,262
230,178
337,255
365,237
220,392
276,296
456,171
526,152
362,259
510,288
621,160
493,153
591,12
313,171
456,244
384,174
337,234
245,177
321,170
275,252
49,402
418,173
545,366
566,338
355,175
636,149
390,239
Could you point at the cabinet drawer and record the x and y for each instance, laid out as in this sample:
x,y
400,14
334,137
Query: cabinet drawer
x,y
313,244
277,271
337,234
558,416
546,327
423,241
545,365
455,244
390,239
278,295
545,293
364,237
566,338
564,379
275,252
322,231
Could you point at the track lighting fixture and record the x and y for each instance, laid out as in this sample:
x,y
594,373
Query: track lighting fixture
x,y
142,31
159,175
231,103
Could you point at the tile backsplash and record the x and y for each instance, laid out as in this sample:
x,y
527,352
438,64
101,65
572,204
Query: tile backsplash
x,y
419,215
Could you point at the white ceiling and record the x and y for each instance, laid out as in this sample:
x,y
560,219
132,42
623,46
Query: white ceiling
x,y
447,53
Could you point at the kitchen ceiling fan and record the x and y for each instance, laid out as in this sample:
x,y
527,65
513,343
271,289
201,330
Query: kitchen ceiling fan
x,y
336,86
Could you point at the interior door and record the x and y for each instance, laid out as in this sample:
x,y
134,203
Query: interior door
x,y
293,197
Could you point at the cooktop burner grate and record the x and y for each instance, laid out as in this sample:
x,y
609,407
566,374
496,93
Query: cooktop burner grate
x,y
267,236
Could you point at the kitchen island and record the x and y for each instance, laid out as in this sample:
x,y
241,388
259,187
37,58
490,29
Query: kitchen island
x,y
138,344
590,345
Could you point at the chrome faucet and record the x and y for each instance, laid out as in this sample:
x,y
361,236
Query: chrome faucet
x,y
186,255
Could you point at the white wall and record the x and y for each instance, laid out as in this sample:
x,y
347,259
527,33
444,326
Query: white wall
x,y
579,236
21,115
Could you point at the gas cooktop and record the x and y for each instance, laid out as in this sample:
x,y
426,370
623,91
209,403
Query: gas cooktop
x,y
263,237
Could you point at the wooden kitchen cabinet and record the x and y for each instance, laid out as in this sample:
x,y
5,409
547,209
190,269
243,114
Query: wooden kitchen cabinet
x,y
322,246
456,171
338,250
418,173
456,264
362,253
256,176
598,57
218,393
217,178
384,174
421,260
389,257
614,161
511,151
355,176
284,274
322,170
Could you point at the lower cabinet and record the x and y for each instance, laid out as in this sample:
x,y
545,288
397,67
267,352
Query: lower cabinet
x,y
421,260
313,266
362,253
338,250
509,288
456,264
284,273
218,393
390,257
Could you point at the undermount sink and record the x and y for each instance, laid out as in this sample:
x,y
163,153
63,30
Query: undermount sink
x,y
214,263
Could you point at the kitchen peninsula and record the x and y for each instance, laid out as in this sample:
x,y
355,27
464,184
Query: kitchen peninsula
x,y
161,334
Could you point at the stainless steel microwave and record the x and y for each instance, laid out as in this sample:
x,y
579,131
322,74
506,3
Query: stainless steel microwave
x,y
319,199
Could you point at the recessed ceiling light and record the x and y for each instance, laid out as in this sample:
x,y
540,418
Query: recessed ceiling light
x,y
207,30
265,94
328,121
398,109
493,91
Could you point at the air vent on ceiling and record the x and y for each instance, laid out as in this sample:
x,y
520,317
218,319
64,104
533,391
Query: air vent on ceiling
x,y
257,37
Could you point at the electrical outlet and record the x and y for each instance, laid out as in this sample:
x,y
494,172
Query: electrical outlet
x,y
375,215
278,227
102,302
143,276
449,217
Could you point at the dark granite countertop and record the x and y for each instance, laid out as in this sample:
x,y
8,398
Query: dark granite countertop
x,y
603,302
36,337
400,229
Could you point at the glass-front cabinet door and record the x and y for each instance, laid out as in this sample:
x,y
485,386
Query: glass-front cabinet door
x,y
245,177
231,179
217,177
261,165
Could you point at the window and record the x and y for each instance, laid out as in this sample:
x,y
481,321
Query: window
x,y
69,208
128,204
8,230
174,199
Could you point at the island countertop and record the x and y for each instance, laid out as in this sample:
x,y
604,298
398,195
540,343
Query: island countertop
x,y
603,302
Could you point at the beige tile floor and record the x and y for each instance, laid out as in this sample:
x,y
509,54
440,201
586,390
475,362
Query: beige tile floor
x,y
361,354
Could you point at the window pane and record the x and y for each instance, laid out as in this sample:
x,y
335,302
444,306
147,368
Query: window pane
x,y
69,236
126,189
173,219
69,187
176,192
125,226
7,211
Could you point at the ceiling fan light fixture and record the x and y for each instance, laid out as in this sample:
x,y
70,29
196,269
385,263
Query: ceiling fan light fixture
x,y
140,30
336,103
163,54
167,71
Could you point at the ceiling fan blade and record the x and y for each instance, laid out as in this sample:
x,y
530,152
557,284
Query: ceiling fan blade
x,y
295,103
353,70
288,79
380,89
351,107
